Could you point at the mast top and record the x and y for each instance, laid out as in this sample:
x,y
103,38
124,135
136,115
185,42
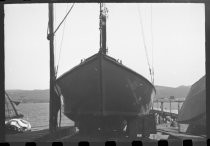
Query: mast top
x,y
102,27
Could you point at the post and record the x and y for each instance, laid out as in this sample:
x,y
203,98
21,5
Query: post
x,y
2,75
170,107
162,111
53,115
161,107
177,119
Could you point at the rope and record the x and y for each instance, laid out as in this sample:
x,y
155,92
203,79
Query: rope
x,y
55,42
64,18
152,46
11,104
60,118
48,35
61,44
145,46
55,55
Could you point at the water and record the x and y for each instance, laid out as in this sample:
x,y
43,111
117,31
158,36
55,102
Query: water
x,y
38,115
166,106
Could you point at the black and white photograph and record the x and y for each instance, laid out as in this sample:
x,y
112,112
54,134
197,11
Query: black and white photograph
x,y
100,72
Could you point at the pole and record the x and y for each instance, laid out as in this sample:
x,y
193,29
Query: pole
x,y
170,107
52,116
161,107
103,28
177,119
162,111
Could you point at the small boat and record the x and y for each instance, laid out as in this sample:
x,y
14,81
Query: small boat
x,y
18,125
13,119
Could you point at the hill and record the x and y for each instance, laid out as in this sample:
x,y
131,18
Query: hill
x,y
178,92
42,96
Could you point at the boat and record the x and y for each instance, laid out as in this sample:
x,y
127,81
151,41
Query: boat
x,y
13,119
193,110
101,92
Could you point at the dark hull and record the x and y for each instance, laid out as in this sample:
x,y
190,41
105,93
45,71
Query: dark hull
x,y
194,106
100,86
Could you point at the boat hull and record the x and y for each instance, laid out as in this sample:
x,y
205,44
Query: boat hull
x,y
194,106
100,86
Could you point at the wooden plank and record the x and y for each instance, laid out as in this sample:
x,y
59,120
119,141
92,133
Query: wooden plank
x,y
182,136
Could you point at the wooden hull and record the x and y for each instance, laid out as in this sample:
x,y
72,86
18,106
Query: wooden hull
x,y
194,106
100,86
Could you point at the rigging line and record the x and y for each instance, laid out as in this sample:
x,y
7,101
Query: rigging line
x,y
64,18
55,42
7,108
61,44
11,104
152,39
143,36
60,118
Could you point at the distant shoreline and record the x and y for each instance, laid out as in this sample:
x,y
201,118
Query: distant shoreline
x,y
42,96
34,102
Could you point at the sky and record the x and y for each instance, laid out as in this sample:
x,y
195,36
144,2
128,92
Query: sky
x,y
174,35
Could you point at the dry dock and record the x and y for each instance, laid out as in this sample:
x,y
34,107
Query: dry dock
x,y
40,135
69,134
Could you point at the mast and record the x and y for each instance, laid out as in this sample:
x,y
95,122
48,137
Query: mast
x,y
53,114
102,27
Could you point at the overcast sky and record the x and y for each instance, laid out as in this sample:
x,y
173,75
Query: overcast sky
x,y
175,33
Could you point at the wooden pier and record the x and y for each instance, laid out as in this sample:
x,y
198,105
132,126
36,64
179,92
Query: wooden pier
x,y
162,111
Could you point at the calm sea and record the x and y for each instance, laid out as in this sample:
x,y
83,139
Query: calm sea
x,y
166,106
38,115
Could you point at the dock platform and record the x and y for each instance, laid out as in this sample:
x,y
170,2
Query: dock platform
x,y
40,135
69,134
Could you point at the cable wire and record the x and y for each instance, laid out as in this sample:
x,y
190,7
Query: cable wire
x,y
64,18
152,41
144,42
61,44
